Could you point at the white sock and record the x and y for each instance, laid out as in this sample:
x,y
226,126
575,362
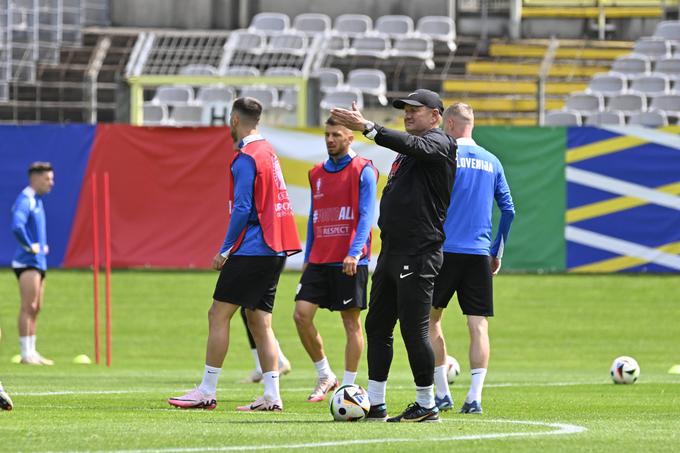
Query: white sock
x,y
31,344
25,347
477,376
271,385
323,368
424,396
441,381
258,368
349,377
282,356
210,377
376,392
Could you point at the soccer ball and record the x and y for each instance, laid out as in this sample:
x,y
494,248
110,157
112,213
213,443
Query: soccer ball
x,y
453,370
349,403
625,370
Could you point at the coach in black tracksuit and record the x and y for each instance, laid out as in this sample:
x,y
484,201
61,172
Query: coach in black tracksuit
x,y
412,212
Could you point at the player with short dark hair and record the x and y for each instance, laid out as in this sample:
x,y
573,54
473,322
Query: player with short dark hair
x,y
470,259
29,225
412,212
261,233
335,273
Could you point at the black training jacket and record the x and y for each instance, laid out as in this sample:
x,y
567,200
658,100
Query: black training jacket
x,y
418,191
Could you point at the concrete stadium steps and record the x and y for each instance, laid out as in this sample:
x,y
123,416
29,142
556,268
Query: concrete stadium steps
x,y
508,104
513,68
592,12
508,86
565,51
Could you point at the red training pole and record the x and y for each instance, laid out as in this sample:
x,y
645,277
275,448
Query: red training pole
x,y
107,258
95,264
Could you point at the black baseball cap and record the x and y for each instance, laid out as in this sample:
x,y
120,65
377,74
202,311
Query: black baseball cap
x,y
420,98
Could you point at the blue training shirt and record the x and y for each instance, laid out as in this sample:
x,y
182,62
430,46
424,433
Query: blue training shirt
x,y
479,181
244,211
367,192
29,226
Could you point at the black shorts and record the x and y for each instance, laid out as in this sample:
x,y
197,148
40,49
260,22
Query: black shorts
x,y
250,281
20,270
327,287
470,277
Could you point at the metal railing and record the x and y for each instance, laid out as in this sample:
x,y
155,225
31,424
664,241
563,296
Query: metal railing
x,y
543,72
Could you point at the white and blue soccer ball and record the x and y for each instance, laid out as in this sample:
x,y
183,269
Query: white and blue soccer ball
x,y
452,370
625,370
350,403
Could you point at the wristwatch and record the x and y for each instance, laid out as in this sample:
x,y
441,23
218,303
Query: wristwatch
x,y
369,130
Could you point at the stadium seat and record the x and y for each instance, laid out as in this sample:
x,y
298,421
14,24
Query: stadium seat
x,y
283,72
607,118
415,47
312,23
670,67
651,85
668,103
376,46
438,28
173,95
608,84
288,99
394,26
187,115
562,118
155,114
585,103
352,25
653,48
329,78
628,103
251,41
270,23
669,30
632,65
215,94
336,45
651,118
342,98
242,71
198,69
290,42
268,96
369,81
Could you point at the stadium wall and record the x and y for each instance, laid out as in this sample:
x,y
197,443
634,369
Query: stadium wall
x,y
587,199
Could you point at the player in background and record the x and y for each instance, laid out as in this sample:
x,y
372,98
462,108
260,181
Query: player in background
x,y
260,234
29,263
335,274
412,212
470,259
256,375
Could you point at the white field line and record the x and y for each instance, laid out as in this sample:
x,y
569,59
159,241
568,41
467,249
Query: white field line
x,y
306,389
557,429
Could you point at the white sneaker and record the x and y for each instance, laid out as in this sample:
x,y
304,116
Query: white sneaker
x,y
284,366
43,360
195,399
253,378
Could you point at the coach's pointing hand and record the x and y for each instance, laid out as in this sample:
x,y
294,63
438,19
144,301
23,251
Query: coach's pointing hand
x,y
351,119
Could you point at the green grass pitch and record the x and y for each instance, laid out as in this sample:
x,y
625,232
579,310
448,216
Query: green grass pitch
x,y
548,389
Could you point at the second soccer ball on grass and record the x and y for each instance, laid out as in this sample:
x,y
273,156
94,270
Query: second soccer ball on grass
x,y
349,403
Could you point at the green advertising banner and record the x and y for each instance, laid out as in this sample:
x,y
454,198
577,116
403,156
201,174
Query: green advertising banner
x,y
533,159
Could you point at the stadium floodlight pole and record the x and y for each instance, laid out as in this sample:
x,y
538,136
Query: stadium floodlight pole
x,y
107,259
95,264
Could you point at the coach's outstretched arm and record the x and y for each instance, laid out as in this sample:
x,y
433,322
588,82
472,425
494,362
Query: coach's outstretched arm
x,y
430,147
